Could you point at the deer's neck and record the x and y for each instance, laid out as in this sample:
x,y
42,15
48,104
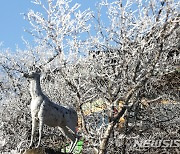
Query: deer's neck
x,y
35,88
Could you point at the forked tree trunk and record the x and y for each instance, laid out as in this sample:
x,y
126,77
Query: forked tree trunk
x,y
103,144
105,139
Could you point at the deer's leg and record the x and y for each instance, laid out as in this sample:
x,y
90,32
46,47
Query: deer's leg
x,y
73,144
41,123
34,126
75,137
68,133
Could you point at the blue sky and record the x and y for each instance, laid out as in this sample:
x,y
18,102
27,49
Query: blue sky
x,y
12,24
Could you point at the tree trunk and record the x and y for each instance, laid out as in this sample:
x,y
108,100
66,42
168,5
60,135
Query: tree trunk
x,y
105,139
103,144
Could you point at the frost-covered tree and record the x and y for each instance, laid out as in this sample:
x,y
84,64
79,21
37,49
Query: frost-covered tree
x,y
124,55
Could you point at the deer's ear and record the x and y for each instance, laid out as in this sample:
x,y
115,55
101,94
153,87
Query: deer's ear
x,y
43,75
25,75
37,70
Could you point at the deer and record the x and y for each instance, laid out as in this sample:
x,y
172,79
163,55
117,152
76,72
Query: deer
x,y
46,112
